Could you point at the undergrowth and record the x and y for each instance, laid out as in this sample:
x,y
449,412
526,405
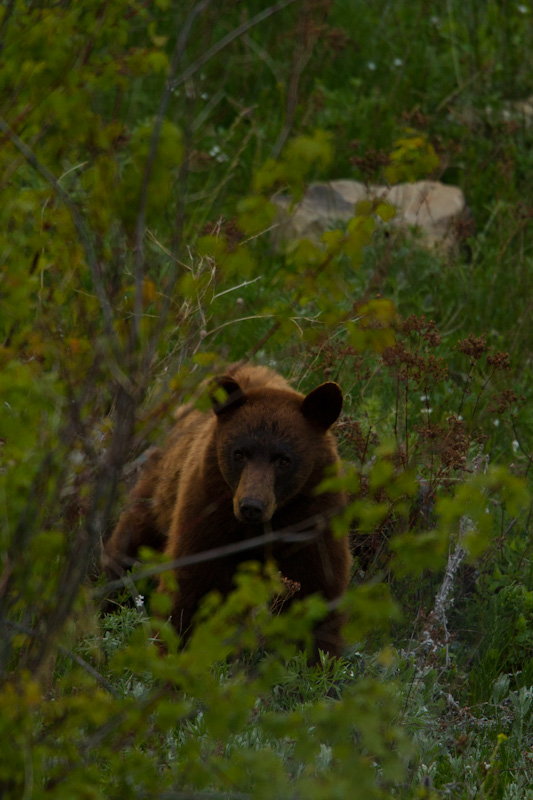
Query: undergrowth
x,y
141,146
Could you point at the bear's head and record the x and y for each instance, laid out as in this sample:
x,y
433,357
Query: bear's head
x,y
272,444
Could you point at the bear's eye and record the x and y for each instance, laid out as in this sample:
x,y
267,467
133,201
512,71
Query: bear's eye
x,y
283,461
238,455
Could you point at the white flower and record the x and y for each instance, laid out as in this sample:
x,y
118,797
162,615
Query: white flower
x,y
139,601
371,66
522,9
217,153
515,445
397,62
496,423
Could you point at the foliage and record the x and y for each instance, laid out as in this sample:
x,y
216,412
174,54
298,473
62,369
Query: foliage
x,y
141,147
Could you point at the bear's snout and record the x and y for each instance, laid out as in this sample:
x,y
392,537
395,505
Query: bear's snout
x,y
254,499
252,509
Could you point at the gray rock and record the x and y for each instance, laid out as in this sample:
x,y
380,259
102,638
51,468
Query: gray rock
x,y
431,207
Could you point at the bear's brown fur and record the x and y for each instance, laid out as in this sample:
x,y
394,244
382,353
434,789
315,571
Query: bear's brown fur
x,y
252,465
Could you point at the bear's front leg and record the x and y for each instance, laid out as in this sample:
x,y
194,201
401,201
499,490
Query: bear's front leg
x,y
327,637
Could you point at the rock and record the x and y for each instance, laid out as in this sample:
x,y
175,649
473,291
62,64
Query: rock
x,y
429,206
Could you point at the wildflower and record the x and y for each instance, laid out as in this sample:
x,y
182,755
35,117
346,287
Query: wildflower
x,y
371,66
496,423
522,9
217,154
515,445
139,601
397,62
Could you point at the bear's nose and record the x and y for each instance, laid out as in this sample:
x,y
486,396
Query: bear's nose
x,y
252,509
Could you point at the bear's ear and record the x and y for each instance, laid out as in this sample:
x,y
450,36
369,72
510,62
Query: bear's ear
x,y
225,394
323,405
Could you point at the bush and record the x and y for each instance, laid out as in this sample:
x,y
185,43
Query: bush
x,y
141,146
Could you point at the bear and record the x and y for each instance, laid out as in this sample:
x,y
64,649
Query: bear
x,y
250,465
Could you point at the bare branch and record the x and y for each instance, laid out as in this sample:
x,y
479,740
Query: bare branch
x,y
304,532
443,598
16,626
5,21
179,49
83,233
302,54
90,535
234,34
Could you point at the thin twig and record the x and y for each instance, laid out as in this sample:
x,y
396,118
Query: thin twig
x,y
234,34
301,533
235,288
184,30
3,27
88,537
83,233
16,626
239,319
302,54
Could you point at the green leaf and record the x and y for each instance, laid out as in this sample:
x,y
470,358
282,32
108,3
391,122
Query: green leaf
x,y
333,240
413,158
304,253
255,214
385,211
310,150
269,175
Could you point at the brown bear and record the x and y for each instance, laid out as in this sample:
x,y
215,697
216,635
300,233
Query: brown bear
x,y
251,466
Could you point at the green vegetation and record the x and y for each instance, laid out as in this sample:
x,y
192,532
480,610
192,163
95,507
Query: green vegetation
x,y
141,144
